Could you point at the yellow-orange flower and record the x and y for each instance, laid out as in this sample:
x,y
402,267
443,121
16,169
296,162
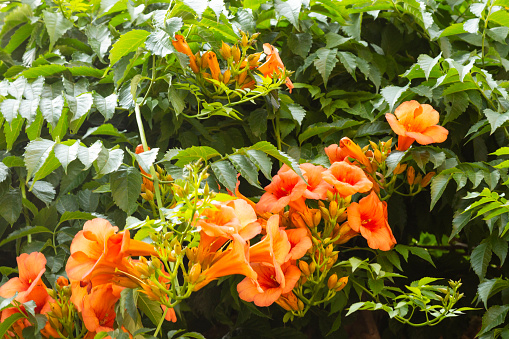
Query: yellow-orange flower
x,y
369,217
99,308
413,121
273,64
347,179
209,60
181,46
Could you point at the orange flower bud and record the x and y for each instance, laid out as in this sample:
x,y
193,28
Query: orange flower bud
x,y
312,267
62,281
253,59
226,51
410,175
378,156
331,283
400,168
317,217
297,220
328,250
194,273
418,179
427,178
235,53
333,208
226,76
341,283
244,41
304,267
387,145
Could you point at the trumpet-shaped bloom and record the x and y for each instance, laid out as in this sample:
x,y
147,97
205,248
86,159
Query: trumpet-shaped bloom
x,y
99,308
231,261
412,121
181,46
273,64
354,151
317,188
266,289
286,187
369,217
209,60
347,179
98,249
335,153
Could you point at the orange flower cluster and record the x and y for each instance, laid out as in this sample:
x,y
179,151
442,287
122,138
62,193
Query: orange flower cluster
x,y
413,121
240,65
28,286
98,252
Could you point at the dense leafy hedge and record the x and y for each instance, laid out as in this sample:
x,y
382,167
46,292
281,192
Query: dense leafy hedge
x,y
85,82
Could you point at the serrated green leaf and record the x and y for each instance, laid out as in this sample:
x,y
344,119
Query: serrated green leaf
x,y
125,184
391,94
150,308
349,61
323,128
146,159
10,109
51,109
480,258
246,168
43,190
290,9
109,160
106,106
489,288
421,253
300,44
271,150
427,63
456,104
10,206
225,173
56,25
88,155
36,153
493,317
438,185
23,232
12,131
127,43
325,61
262,162
495,119
76,215
193,153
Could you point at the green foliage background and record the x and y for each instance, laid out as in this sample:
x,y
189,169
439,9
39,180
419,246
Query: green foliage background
x,y
73,73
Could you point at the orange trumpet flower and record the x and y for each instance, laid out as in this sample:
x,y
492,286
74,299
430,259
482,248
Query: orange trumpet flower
x,y
99,309
369,217
347,179
415,122
209,60
273,64
352,150
181,46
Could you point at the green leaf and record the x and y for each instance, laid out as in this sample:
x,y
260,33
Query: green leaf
x,y
300,44
127,43
456,104
391,94
7,323
493,317
501,17
88,155
10,205
43,70
77,215
56,25
125,186
323,128
51,109
271,150
325,61
150,308
146,159
349,61
500,247
290,9
106,106
191,154
99,39
109,160
4,171
393,160
176,98
421,253
66,154
159,43
129,297
225,173
495,119
489,288
43,190
262,162
18,37
427,63
9,109
438,185
23,232
36,153
480,258
12,131
246,168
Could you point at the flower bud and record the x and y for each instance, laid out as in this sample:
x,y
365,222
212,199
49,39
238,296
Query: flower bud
x,y
235,53
328,250
330,196
331,283
317,217
387,145
400,168
427,178
304,267
225,51
410,175
312,267
333,209
191,253
62,281
341,283
194,273
378,156
244,41
418,179
226,76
